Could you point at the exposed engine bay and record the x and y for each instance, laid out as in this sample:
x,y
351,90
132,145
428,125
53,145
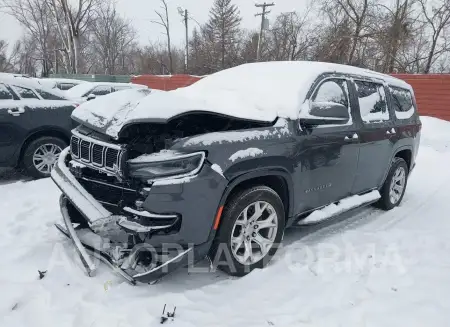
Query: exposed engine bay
x,y
146,138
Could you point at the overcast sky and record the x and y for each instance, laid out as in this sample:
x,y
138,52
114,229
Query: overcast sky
x,y
141,11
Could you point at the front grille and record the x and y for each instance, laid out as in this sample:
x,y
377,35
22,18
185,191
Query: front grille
x,y
74,148
111,158
97,154
85,147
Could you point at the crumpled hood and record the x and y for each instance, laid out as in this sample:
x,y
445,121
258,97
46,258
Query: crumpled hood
x,y
109,114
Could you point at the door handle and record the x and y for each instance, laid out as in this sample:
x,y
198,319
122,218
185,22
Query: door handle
x,y
352,137
16,111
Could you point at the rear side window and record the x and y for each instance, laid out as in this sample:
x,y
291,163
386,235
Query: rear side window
x,y
372,102
402,102
65,86
48,96
4,93
25,93
101,90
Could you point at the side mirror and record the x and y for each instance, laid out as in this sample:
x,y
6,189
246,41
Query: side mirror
x,y
325,113
91,97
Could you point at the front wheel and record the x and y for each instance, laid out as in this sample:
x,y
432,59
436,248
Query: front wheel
x,y
252,228
41,155
394,187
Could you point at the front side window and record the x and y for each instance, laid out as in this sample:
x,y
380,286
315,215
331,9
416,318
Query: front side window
x,y
25,93
372,102
48,96
332,91
4,93
101,90
402,102
329,104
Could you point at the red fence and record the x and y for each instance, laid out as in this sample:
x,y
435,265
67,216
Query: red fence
x,y
432,93
165,83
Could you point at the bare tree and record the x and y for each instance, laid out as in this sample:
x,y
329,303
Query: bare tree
x,y
34,16
356,12
111,38
164,22
393,30
72,22
5,60
436,18
291,37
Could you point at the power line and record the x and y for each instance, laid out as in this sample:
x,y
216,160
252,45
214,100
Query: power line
x,y
263,17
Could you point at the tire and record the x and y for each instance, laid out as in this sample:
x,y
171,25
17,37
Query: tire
x,y
387,202
30,165
222,255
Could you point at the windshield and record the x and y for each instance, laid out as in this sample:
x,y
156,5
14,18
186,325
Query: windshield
x,y
79,90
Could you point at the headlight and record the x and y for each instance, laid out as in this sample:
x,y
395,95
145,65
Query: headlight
x,y
170,164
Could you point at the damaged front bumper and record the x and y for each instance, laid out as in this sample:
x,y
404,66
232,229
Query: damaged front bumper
x,y
100,247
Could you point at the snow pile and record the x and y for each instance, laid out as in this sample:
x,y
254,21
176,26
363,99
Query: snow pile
x,y
435,133
376,268
250,152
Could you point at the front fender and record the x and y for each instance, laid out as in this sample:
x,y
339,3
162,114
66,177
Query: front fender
x,y
262,172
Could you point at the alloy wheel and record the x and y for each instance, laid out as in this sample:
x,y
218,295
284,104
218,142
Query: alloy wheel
x,y
397,185
254,232
45,157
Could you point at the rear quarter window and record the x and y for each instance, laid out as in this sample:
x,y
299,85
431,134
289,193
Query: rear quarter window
x,y
402,102
65,86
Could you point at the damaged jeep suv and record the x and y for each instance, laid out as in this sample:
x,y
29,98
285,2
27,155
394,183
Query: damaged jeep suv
x,y
155,180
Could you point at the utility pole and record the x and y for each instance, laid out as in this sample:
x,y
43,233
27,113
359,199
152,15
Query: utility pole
x,y
263,17
185,15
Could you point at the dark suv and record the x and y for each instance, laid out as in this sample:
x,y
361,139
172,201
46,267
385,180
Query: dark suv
x,y
154,180
35,125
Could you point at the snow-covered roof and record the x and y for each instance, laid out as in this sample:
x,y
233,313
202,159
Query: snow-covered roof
x,y
19,80
64,80
81,89
259,91
30,83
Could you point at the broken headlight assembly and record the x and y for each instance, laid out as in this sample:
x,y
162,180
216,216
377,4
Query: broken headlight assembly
x,y
164,165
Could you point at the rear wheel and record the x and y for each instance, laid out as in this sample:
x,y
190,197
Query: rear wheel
x,y
394,187
41,155
252,228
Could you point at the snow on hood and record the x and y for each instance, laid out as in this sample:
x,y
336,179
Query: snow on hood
x,y
260,92
109,112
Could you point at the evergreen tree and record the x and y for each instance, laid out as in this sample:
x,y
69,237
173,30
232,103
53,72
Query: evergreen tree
x,y
224,30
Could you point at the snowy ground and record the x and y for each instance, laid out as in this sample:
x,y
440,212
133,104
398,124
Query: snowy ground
x,y
373,269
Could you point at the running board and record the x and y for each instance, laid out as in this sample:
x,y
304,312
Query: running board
x,y
344,205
